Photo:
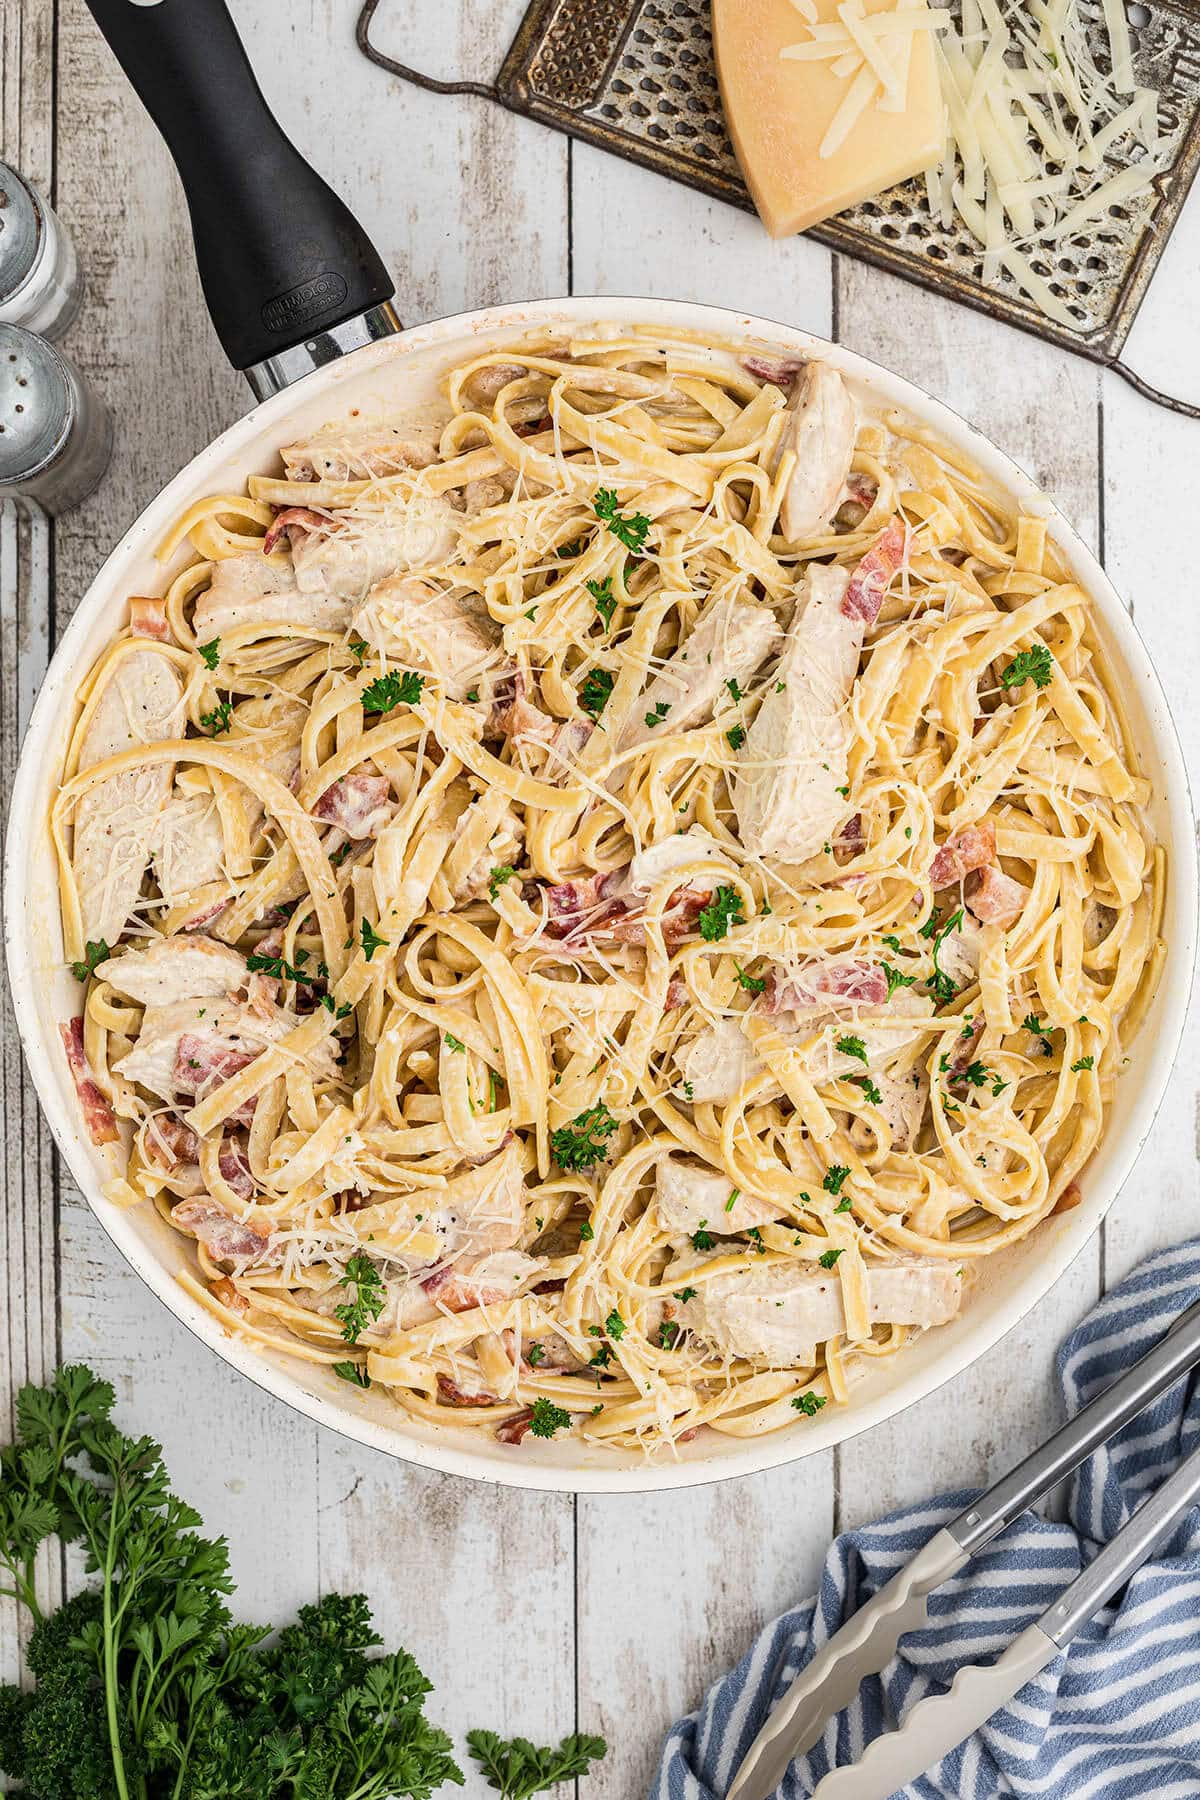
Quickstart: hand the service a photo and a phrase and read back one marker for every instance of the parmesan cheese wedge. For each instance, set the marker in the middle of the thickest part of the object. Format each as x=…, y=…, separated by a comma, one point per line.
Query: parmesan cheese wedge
x=811, y=138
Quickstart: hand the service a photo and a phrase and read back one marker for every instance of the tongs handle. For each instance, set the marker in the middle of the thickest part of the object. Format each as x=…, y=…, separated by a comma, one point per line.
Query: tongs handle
x=1170, y=1359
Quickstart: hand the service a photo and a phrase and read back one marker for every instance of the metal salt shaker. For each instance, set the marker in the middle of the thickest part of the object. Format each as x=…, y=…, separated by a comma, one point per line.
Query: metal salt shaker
x=40, y=286
x=55, y=431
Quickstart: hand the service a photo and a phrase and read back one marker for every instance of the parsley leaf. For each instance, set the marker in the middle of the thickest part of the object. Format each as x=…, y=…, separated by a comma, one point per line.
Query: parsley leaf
x=1031, y=1022
x=498, y=877
x=808, y=1404
x=606, y=601
x=724, y=909
x=453, y=1043
x=535, y=1354
x=631, y=531
x=668, y=1331
x=753, y=984
x=736, y=736
x=661, y=709
x=895, y=979
x=548, y=1419
x=586, y=1232
x=977, y=1074
x=517, y=1769
x=685, y=1294
x=358, y=648
x=615, y=1326
x=396, y=688
x=1036, y=665
x=370, y=939
x=852, y=1046
x=210, y=653
x=93, y=956
x=702, y=1239
x=835, y=1175
x=827, y=1258
x=1085, y=1062
x=595, y=692
x=353, y=1372
x=940, y=984
x=279, y=969
x=869, y=1089
x=581, y=1144
x=735, y=691
x=369, y=1297
x=219, y=720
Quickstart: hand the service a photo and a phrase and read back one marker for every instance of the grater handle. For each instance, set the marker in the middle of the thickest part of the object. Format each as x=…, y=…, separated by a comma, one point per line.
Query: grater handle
x=1187, y=408
x=486, y=90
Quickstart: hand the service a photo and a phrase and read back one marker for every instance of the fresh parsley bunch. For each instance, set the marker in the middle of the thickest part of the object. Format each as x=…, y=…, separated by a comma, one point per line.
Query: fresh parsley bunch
x=145, y=1688
x=517, y=1769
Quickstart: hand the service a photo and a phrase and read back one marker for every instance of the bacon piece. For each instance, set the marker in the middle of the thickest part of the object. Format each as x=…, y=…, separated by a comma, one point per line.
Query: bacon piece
x=98, y=1115
x=820, y=986
x=452, y=1294
x=513, y=1430
x=450, y=1394
x=235, y=1170
x=226, y=1239
x=964, y=1055
x=998, y=899
x=974, y=847
x=148, y=618
x=205, y=916
x=228, y=1296
x=849, y=840
x=780, y=372
x=170, y=1142
x=868, y=584
x=569, y=902
x=513, y=715
x=677, y=994
x=359, y=805
x=297, y=522
x=203, y=1061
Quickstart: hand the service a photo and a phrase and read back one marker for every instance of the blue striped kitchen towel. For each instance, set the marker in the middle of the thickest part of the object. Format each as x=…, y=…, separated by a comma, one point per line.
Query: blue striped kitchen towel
x=1118, y=1715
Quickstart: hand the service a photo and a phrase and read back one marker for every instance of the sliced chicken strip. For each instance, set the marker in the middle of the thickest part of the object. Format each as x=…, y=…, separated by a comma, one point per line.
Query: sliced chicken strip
x=655, y=861
x=413, y=622
x=222, y=1037
x=368, y=544
x=691, y=1196
x=256, y=590
x=483, y=1208
x=780, y=1316
x=190, y=847
x=902, y=1102
x=356, y=453
x=731, y=640
x=176, y=968
x=116, y=822
x=820, y=429
x=793, y=763
x=718, y=1063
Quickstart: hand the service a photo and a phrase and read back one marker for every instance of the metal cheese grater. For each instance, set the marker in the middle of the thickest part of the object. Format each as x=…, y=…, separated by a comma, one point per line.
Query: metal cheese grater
x=39, y=275
x=55, y=431
x=637, y=77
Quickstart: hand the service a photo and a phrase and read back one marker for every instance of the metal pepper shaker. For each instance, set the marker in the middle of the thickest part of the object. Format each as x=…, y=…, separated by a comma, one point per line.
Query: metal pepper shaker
x=55, y=431
x=40, y=286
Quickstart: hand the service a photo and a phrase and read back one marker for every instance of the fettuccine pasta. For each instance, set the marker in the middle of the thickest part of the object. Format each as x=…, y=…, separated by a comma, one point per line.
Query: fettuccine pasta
x=598, y=915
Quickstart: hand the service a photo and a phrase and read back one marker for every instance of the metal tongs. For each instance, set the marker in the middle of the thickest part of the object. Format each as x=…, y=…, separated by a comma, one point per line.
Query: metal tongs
x=866, y=1643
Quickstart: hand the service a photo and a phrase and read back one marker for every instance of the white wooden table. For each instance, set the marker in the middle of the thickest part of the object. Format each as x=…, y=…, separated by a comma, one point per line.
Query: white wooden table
x=530, y=1614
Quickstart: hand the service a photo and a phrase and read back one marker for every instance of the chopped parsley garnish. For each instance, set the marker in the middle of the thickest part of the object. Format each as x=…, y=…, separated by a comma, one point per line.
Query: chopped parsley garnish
x=998, y=1087
x=827, y=1258
x=685, y=1294
x=940, y=984
x=844, y=1205
x=631, y=531
x=358, y=648
x=370, y=939
x=689, y=1092
x=595, y=692
x=453, y=1043
x=852, y=1046
x=219, y=720
x=834, y=1177
x=1031, y=1022
x=586, y=1232
x=756, y=1238
x=281, y=970
x=977, y=1073
x=606, y=600
x=210, y=653
x=735, y=691
x=844, y=792
x=808, y=1404
x=661, y=709
x=472, y=696
x=893, y=942
x=736, y=736
x=753, y=984
x=702, y=1239
x=535, y=1354
x=93, y=956
x=895, y=979
x=615, y=1326
x=1085, y=1062
x=397, y=688
x=581, y=1144
x=723, y=910
x=339, y=1012
x=548, y=1418
x=1036, y=665
x=732, y=1200
x=571, y=549
x=353, y=1372
x=869, y=1089
x=498, y=878
x=601, y=1359
x=668, y=1331
x=369, y=1296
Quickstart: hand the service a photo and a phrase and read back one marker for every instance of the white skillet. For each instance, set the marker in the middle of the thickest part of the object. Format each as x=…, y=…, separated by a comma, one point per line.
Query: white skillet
x=393, y=371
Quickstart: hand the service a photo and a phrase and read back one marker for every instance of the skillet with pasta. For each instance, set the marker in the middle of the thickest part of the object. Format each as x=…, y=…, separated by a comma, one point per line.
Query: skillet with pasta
x=597, y=914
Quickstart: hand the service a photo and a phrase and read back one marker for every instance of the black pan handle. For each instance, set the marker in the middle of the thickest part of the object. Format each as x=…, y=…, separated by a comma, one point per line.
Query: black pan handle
x=281, y=258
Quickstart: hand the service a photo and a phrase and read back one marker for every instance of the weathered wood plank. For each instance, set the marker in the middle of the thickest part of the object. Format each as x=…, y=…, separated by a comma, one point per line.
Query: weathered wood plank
x=27, y=89
x=672, y=1588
